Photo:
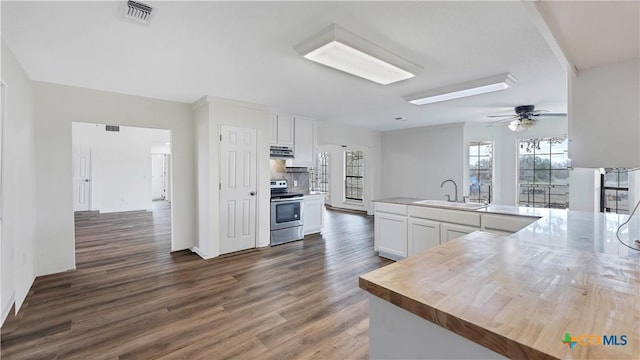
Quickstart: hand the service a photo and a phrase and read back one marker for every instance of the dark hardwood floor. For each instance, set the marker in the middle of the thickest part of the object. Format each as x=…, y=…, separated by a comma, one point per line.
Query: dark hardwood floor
x=130, y=298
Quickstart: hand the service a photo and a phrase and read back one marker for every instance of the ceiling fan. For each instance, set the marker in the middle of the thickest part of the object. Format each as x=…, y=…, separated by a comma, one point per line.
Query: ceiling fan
x=525, y=117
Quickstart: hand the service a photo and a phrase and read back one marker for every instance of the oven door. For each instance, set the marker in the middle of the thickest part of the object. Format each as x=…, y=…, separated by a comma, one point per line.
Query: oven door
x=286, y=213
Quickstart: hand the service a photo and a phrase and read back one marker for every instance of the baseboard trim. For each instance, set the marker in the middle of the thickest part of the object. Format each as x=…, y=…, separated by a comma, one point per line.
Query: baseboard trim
x=201, y=253
x=347, y=210
x=7, y=308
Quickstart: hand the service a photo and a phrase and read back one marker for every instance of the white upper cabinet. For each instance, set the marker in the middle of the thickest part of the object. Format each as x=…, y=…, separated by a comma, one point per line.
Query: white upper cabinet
x=304, y=142
x=282, y=130
x=298, y=132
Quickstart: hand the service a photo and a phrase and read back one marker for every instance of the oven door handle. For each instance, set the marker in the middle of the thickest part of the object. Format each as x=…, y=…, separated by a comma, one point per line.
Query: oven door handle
x=287, y=199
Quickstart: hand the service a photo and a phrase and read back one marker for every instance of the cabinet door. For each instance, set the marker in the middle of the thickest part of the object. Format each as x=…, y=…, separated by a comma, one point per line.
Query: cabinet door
x=391, y=235
x=304, y=142
x=423, y=234
x=313, y=214
x=449, y=232
x=285, y=130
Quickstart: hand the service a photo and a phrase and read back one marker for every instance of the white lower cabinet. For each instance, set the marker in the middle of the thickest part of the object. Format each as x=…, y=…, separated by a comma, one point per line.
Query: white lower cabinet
x=313, y=211
x=423, y=234
x=449, y=232
x=390, y=230
x=405, y=230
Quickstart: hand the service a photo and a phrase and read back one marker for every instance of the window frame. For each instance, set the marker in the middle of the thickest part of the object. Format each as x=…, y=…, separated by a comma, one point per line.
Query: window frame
x=470, y=170
x=322, y=172
x=617, y=189
x=348, y=187
x=535, y=186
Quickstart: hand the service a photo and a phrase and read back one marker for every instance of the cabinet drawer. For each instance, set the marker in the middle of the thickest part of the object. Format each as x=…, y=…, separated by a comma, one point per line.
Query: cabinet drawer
x=397, y=209
x=506, y=222
x=451, y=216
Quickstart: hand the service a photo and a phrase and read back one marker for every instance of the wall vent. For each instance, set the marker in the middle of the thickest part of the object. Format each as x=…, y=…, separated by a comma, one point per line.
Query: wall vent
x=112, y=128
x=137, y=11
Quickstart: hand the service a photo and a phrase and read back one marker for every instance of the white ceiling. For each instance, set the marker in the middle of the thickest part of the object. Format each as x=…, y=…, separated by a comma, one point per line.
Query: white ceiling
x=594, y=33
x=244, y=51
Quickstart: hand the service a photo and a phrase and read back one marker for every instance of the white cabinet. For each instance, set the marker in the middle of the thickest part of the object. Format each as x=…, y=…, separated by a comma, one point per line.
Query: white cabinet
x=313, y=210
x=405, y=230
x=449, y=231
x=390, y=230
x=282, y=127
x=422, y=235
x=304, y=142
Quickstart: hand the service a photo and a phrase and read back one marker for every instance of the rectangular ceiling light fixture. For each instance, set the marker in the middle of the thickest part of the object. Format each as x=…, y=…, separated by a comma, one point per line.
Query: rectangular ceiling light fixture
x=340, y=49
x=470, y=88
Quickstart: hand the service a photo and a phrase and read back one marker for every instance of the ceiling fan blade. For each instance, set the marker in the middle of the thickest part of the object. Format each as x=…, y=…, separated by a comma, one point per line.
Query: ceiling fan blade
x=504, y=120
x=510, y=115
x=549, y=114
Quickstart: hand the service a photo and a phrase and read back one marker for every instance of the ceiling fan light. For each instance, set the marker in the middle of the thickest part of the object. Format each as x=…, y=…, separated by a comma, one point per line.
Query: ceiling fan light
x=469, y=88
x=520, y=125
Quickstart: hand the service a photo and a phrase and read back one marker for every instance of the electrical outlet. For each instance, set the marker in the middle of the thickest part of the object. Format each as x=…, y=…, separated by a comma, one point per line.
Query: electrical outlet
x=295, y=183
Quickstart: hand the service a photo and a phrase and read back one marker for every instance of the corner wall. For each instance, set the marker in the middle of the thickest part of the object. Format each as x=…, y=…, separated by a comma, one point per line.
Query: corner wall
x=330, y=138
x=57, y=106
x=209, y=114
x=416, y=161
x=604, y=116
x=18, y=185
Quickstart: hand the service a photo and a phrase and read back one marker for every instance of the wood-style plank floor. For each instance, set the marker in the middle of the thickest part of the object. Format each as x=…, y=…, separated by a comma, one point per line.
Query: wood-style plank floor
x=130, y=298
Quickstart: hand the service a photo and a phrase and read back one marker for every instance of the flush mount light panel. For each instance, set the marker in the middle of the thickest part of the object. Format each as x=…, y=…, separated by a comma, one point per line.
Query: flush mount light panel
x=470, y=88
x=340, y=49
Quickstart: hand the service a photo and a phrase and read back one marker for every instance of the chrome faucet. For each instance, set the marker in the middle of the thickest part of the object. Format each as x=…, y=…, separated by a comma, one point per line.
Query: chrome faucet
x=455, y=195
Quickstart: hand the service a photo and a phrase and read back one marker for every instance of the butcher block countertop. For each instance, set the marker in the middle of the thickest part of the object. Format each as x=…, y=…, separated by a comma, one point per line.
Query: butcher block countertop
x=520, y=295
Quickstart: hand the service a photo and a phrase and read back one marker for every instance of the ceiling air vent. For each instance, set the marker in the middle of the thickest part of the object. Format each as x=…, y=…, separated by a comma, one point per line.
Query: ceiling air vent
x=112, y=128
x=137, y=11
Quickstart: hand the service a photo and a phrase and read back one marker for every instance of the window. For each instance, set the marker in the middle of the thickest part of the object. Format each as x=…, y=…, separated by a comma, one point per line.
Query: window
x=480, y=171
x=544, y=173
x=615, y=191
x=354, y=174
x=323, y=172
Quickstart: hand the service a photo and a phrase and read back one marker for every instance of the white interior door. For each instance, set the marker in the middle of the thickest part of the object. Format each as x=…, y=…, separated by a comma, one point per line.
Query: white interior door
x=81, y=179
x=238, y=178
x=157, y=177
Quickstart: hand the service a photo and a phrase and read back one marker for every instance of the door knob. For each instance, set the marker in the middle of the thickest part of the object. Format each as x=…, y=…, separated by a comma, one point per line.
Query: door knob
x=86, y=180
x=253, y=193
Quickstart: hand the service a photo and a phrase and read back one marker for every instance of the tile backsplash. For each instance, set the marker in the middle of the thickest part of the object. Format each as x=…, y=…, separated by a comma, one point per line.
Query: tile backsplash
x=297, y=177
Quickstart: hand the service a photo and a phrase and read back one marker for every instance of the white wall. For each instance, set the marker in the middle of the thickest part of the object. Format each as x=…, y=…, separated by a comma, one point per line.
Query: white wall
x=506, y=152
x=584, y=189
x=331, y=137
x=18, y=185
x=416, y=161
x=209, y=114
x=604, y=116
x=57, y=107
x=121, y=165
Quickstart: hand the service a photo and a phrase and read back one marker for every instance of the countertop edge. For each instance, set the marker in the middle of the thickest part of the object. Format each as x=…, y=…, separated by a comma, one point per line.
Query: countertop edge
x=479, y=335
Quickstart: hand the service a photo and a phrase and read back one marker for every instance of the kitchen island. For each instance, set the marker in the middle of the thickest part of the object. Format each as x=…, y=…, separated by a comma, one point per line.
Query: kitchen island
x=490, y=296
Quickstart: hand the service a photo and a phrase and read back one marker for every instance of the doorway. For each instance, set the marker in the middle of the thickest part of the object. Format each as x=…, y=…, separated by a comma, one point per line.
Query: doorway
x=118, y=173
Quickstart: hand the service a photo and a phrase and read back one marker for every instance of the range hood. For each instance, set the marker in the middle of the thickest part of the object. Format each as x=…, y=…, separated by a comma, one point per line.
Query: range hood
x=281, y=152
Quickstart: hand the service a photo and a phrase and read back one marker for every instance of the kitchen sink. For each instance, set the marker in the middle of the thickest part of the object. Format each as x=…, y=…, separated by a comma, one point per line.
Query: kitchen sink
x=451, y=205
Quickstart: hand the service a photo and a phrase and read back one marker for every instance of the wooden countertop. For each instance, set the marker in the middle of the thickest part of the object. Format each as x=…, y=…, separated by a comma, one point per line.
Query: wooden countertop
x=519, y=298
